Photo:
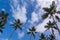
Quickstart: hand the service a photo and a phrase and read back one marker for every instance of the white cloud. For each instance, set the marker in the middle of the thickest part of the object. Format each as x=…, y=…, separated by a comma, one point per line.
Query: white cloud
x=45, y=0
x=44, y=3
x=19, y=13
x=32, y=0
x=40, y=27
x=37, y=16
x=34, y=18
x=15, y=3
x=21, y=35
x=7, y=39
x=58, y=8
x=3, y=9
x=3, y=39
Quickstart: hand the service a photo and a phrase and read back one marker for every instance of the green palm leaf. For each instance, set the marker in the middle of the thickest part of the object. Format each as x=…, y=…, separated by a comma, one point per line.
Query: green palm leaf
x=58, y=12
x=28, y=32
x=46, y=9
x=52, y=37
x=32, y=31
x=57, y=18
x=42, y=37
x=17, y=24
x=50, y=25
x=1, y=30
x=45, y=15
x=3, y=20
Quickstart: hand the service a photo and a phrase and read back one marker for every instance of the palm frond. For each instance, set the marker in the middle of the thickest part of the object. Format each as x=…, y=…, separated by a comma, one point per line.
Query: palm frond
x=33, y=28
x=42, y=37
x=46, y=9
x=3, y=20
x=57, y=18
x=32, y=31
x=58, y=12
x=49, y=25
x=45, y=15
x=1, y=30
x=52, y=37
x=17, y=24
x=20, y=27
x=33, y=34
x=28, y=32
x=15, y=28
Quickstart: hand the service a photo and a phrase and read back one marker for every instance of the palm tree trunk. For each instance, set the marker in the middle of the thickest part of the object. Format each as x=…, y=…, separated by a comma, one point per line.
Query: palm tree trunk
x=56, y=24
x=52, y=31
x=11, y=34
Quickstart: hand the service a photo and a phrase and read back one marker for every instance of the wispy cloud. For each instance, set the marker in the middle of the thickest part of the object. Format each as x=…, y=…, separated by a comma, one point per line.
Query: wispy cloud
x=40, y=27
x=44, y=3
x=34, y=18
x=18, y=12
x=21, y=35
x=38, y=12
x=3, y=39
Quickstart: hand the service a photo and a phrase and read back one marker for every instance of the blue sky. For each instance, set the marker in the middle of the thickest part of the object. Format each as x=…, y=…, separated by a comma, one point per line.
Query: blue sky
x=29, y=12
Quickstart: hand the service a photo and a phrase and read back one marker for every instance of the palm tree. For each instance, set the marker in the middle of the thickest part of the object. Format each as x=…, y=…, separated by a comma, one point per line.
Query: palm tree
x=52, y=37
x=3, y=19
x=51, y=25
x=32, y=31
x=42, y=37
x=16, y=24
x=52, y=11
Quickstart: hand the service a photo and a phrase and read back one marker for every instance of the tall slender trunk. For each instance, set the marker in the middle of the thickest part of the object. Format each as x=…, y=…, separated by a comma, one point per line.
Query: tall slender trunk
x=52, y=28
x=52, y=31
x=56, y=24
x=56, y=27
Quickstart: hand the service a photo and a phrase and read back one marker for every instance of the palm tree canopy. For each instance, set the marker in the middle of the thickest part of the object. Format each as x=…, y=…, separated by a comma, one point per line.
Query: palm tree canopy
x=50, y=11
x=17, y=24
x=3, y=19
x=42, y=37
x=51, y=37
x=3, y=14
x=32, y=31
x=49, y=25
x=57, y=18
